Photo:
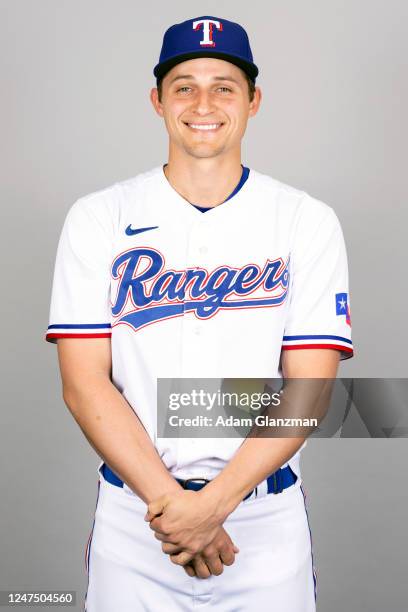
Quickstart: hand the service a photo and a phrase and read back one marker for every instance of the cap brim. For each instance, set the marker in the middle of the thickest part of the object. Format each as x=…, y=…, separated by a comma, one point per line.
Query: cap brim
x=250, y=69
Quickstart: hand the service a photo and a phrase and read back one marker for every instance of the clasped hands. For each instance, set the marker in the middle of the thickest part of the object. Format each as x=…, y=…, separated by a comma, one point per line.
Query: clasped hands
x=189, y=526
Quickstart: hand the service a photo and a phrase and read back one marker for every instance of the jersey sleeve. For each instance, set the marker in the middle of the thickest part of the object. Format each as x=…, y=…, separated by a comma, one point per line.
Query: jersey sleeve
x=80, y=297
x=319, y=304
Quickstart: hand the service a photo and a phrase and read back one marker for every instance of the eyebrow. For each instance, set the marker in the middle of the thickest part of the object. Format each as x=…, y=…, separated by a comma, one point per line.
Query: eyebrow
x=190, y=76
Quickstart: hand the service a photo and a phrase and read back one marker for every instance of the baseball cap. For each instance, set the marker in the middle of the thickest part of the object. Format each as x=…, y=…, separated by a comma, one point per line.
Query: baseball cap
x=206, y=37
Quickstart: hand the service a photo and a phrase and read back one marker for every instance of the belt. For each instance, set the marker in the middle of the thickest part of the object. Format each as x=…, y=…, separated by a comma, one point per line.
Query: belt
x=276, y=482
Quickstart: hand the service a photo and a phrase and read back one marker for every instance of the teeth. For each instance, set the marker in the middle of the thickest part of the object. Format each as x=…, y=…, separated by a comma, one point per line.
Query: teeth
x=209, y=126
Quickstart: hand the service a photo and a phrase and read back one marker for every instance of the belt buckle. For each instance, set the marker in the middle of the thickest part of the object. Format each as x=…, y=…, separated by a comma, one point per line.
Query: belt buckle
x=198, y=480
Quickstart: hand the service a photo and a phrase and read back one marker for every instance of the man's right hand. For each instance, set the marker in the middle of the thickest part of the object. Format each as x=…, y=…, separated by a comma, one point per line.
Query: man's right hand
x=211, y=560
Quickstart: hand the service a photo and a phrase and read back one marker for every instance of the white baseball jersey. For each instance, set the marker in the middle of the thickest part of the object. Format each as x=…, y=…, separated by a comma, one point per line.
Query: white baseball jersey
x=189, y=294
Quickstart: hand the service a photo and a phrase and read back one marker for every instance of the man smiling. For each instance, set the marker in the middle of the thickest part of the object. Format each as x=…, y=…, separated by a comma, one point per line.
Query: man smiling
x=219, y=118
x=199, y=268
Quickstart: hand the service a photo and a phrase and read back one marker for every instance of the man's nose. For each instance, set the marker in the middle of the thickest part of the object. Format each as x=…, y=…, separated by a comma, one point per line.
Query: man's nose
x=203, y=103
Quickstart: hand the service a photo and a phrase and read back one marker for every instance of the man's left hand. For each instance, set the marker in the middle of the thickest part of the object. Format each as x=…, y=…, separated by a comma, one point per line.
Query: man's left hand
x=186, y=519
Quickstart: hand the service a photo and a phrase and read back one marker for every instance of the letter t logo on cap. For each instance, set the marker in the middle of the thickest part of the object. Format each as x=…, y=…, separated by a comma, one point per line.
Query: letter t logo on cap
x=207, y=30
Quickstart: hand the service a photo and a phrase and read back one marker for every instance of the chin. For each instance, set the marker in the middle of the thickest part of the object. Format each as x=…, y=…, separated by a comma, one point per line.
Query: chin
x=204, y=152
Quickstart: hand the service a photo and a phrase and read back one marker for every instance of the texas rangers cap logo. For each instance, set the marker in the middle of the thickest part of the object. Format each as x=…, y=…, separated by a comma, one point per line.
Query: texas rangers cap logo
x=207, y=27
x=206, y=36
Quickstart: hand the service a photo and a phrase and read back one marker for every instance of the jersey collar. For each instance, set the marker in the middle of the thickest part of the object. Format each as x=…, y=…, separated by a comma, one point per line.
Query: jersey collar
x=232, y=199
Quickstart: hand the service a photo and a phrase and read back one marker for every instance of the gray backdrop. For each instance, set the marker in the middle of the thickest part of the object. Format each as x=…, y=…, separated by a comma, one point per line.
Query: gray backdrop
x=75, y=117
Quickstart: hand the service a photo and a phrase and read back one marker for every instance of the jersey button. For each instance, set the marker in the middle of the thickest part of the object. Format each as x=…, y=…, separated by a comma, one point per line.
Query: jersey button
x=197, y=330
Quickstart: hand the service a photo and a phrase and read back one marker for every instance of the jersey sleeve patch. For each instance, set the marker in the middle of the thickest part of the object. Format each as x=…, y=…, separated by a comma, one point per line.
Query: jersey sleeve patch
x=342, y=307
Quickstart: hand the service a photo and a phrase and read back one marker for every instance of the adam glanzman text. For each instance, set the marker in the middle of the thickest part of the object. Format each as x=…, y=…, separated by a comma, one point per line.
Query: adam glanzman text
x=229, y=421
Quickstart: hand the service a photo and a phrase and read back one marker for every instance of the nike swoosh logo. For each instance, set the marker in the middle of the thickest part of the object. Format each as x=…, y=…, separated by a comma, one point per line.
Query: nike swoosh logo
x=131, y=232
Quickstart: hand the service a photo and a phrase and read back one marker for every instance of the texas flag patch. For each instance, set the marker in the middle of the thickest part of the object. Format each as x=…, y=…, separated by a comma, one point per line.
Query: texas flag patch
x=342, y=307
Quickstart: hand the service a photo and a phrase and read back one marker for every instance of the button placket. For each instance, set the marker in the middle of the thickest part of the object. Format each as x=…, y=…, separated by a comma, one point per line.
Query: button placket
x=193, y=330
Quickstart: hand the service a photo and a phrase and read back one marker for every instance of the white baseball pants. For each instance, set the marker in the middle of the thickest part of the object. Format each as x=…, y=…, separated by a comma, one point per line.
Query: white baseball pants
x=273, y=572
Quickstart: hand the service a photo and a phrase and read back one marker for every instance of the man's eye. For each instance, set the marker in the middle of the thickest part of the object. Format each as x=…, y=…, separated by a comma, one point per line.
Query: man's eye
x=184, y=88
x=224, y=89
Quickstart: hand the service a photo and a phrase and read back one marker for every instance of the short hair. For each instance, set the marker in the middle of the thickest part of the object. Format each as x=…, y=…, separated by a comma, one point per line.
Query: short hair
x=251, y=86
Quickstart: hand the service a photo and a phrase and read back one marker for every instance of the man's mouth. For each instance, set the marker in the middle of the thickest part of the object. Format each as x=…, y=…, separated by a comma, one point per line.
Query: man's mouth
x=204, y=127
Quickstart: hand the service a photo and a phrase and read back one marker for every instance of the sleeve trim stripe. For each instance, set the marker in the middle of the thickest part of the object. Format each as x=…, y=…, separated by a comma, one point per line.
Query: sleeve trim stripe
x=338, y=347
x=317, y=337
x=49, y=336
x=80, y=326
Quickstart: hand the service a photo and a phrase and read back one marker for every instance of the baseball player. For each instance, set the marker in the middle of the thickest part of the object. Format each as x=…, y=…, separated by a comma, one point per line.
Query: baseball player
x=198, y=268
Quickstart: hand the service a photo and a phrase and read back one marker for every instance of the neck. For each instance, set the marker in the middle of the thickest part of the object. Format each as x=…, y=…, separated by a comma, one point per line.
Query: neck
x=205, y=181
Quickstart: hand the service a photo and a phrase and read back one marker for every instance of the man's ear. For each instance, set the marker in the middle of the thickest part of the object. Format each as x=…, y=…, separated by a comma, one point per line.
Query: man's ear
x=154, y=98
x=256, y=102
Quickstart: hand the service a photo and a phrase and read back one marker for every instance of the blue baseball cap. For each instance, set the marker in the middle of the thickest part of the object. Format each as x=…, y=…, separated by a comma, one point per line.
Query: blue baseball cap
x=206, y=37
